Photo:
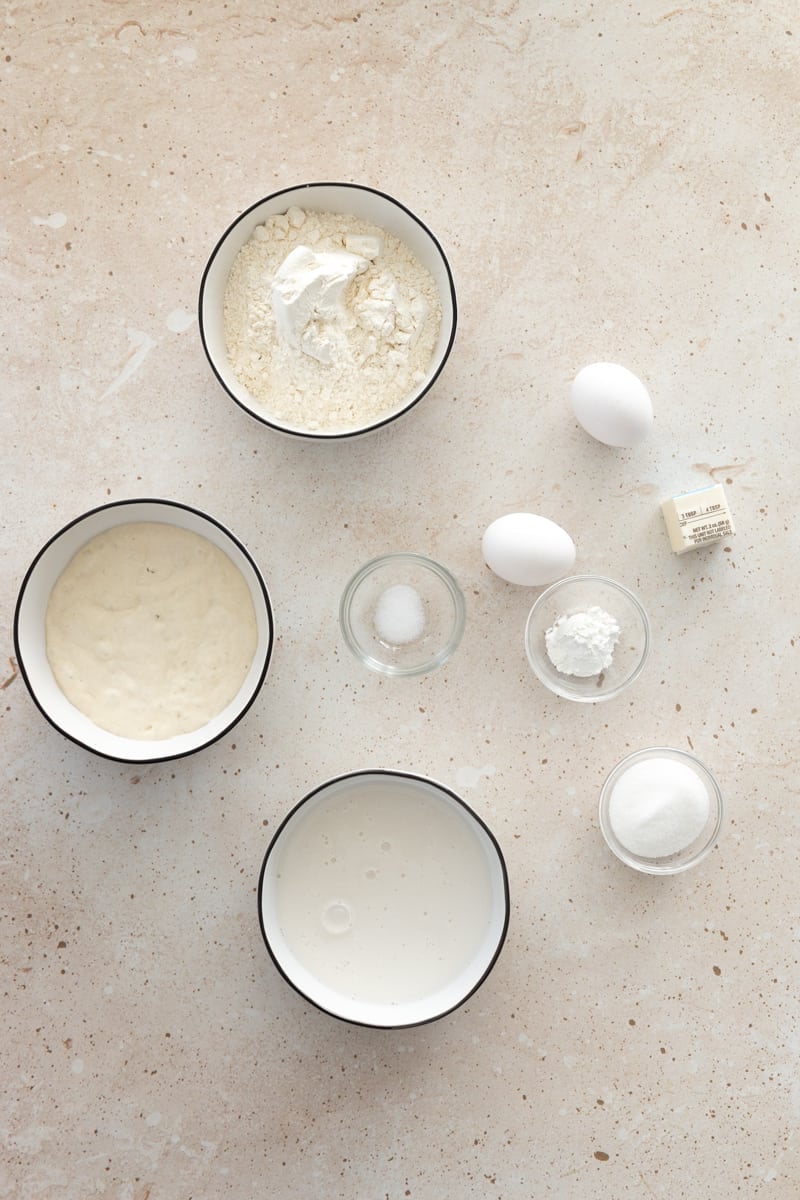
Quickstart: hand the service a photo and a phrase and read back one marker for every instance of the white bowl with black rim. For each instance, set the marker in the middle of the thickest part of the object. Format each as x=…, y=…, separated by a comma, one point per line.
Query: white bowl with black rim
x=383, y=899
x=347, y=200
x=30, y=624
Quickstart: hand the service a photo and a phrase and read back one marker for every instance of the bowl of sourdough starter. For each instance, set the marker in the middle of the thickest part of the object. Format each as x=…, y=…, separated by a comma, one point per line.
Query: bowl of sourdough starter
x=383, y=899
x=143, y=630
x=327, y=310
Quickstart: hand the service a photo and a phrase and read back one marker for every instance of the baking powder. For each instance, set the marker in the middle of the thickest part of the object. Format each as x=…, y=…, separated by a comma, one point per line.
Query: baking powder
x=582, y=643
x=330, y=321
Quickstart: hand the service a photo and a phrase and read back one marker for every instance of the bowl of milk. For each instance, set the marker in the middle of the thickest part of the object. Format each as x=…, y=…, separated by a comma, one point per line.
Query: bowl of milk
x=143, y=630
x=383, y=899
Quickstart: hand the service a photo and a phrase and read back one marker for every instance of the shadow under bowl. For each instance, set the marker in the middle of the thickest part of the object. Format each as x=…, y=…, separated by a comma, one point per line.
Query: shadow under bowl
x=701, y=840
x=427, y=598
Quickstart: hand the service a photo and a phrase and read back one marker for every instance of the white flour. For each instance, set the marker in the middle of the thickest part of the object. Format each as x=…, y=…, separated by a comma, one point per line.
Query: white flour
x=337, y=335
x=583, y=643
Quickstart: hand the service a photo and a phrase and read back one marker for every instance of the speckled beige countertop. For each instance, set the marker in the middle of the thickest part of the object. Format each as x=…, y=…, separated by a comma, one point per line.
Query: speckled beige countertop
x=610, y=181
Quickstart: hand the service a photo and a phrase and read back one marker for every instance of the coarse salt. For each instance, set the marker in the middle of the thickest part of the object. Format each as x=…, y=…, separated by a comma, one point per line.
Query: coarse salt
x=399, y=615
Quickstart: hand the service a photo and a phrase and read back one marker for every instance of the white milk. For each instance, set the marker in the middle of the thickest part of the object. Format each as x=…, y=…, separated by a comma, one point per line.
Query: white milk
x=383, y=890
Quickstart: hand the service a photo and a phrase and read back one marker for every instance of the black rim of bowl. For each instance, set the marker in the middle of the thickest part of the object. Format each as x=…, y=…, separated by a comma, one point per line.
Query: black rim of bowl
x=126, y=504
x=347, y=433
x=470, y=812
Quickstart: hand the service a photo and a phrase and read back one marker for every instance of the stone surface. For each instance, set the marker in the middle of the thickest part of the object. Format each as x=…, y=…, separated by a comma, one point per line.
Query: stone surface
x=611, y=182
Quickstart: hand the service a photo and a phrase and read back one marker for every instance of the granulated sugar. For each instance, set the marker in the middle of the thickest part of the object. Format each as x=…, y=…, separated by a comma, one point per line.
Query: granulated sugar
x=330, y=321
x=399, y=615
x=658, y=807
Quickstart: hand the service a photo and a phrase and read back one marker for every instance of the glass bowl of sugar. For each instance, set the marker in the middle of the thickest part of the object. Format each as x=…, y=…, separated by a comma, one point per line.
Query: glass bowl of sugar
x=661, y=810
x=587, y=638
x=143, y=630
x=402, y=614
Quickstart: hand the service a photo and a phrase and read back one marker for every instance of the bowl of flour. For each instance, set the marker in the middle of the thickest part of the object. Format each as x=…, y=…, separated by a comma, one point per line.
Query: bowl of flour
x=327, y=310
x=587, y=638
x=143, y=630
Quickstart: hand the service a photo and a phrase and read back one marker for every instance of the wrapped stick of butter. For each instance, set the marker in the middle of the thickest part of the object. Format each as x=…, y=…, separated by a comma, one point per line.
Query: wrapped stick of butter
x=697, y=518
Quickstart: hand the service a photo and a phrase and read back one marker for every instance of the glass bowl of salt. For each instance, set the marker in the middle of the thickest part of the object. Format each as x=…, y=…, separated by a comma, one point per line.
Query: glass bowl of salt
x=587, y=638
x=661, y=810
x=402, y=614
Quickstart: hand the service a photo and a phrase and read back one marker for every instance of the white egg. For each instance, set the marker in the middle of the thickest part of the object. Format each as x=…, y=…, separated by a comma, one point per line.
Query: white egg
x=612, y=404
x=526, y=549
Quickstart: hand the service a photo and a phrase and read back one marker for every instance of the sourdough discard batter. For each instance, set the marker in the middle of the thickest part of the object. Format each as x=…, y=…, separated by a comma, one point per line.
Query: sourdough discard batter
x=150, y=630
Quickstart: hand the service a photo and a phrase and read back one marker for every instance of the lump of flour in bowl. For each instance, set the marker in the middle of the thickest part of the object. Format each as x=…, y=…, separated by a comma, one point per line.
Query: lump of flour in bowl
x=330, y=321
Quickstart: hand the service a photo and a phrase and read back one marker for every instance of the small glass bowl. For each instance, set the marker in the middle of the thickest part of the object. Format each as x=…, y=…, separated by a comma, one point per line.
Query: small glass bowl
x=442, y=602
x=697, y=849
x=576, y=594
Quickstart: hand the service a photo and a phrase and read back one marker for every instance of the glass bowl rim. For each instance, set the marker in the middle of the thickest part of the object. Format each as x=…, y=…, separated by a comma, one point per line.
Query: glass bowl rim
x=435, y=568
x=654, y=866
x=537, y=607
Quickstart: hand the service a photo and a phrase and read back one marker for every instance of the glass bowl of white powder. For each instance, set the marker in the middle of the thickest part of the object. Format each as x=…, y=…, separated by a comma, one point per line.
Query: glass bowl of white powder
x=661, y=810
x=327, y=310
x=143, y=630
x=587, y=638
x=402, y=614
